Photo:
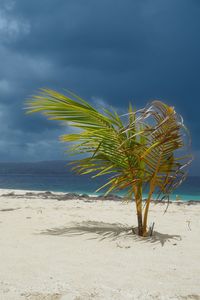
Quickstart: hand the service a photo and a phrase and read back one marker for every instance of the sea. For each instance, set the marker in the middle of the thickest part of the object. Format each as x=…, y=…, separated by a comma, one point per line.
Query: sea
x=57, y=176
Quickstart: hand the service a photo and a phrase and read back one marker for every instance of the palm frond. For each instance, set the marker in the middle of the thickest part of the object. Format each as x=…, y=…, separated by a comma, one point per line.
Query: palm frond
x=164, y=137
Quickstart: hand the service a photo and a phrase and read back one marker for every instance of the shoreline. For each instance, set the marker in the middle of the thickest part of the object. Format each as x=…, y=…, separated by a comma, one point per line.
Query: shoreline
x=63, y=196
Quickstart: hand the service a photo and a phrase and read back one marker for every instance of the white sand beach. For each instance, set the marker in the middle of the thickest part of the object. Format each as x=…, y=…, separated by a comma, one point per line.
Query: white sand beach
x=84, y=249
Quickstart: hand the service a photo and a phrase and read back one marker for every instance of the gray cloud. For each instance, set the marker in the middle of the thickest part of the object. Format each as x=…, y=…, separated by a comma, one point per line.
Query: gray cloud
x=110, y=50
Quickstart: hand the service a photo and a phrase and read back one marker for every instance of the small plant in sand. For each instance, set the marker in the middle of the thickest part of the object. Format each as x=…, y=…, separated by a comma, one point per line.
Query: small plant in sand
x=142, y=151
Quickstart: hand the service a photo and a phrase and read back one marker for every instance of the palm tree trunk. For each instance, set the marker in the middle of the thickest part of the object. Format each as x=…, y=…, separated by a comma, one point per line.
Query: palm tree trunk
x=145, y=218
x=147, y=208
x=140, y=226
x=138, y=201
x=151, y=191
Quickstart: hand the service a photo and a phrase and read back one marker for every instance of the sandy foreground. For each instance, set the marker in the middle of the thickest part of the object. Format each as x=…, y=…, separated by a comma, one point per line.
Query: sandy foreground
x=84, y=249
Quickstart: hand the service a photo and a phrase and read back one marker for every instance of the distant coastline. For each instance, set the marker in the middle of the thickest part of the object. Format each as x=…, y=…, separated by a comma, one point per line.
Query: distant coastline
x=56, y=176
x=61, y=196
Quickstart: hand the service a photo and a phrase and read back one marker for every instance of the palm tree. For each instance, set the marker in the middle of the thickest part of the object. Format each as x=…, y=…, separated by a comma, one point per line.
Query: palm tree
x=140, y=151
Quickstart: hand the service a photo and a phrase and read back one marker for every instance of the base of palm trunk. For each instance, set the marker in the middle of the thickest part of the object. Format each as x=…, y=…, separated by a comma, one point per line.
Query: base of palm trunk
x=143, y=233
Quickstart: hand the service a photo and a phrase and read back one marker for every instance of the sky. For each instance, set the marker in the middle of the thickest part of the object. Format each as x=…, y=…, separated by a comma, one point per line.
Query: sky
x=109, y=52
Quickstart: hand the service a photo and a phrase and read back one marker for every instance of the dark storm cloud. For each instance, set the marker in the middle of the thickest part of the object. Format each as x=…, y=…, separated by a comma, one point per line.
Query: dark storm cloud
x=111, y=50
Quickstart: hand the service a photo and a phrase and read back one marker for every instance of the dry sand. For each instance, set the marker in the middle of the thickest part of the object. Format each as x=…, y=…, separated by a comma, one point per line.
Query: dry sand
x=84, y=249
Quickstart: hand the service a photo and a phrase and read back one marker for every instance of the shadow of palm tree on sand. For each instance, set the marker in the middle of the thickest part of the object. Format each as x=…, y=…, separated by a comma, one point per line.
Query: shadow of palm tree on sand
x=112, y=231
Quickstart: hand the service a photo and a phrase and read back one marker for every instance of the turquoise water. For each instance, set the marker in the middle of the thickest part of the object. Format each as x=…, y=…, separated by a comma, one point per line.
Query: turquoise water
x=55, y=176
